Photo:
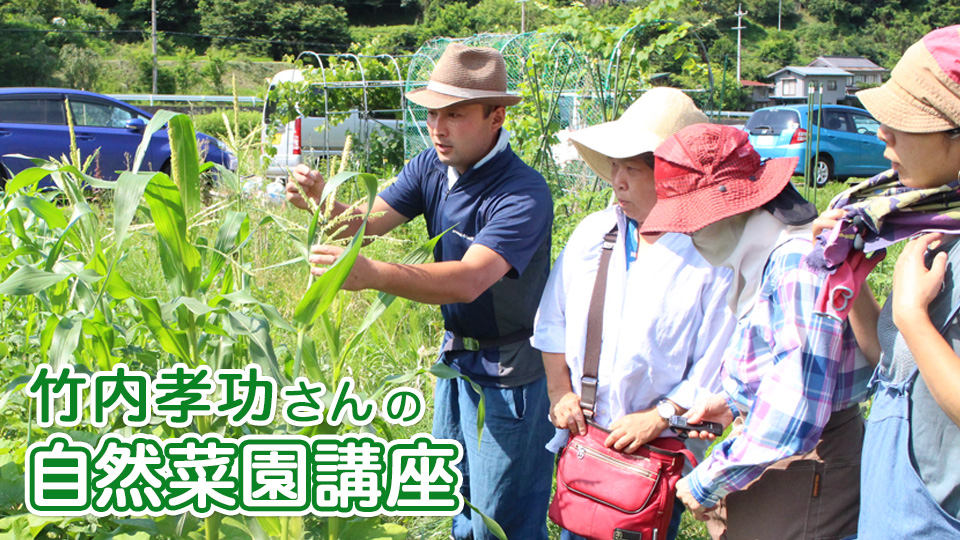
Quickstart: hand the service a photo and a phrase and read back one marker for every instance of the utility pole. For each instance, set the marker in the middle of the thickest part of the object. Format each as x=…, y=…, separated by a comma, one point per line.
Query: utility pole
x=153, y=35
x=779, y=14
x=739, y=28
x=523, y=15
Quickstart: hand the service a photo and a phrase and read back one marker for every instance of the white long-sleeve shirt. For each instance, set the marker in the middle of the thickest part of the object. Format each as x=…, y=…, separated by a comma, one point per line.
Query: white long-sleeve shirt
x=665, y=324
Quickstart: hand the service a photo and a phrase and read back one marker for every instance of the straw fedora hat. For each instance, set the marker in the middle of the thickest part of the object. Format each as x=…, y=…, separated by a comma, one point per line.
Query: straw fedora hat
x=656, y=115
x=709, y=172
x=466, y=74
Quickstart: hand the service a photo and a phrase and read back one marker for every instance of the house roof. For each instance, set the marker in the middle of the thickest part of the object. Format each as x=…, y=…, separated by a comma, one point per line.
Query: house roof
x=806, y=71
x=849, y=63
x=744, y=82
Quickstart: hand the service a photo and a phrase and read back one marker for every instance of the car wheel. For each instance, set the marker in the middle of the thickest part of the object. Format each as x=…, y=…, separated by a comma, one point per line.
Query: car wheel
x=822, y=171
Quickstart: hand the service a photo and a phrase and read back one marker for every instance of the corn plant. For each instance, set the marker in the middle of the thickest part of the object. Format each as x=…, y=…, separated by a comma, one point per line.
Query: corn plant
x=60, y=283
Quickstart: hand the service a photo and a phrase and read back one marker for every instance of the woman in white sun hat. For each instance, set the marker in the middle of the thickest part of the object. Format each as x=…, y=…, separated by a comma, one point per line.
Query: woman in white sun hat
x=665, y=320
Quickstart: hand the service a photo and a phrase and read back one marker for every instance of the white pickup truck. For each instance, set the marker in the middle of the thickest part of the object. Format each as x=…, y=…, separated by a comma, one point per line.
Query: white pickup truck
x=311, y=137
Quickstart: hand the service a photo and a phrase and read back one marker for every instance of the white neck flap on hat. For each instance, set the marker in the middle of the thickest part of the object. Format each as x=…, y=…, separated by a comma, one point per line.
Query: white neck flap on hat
x=743, y=243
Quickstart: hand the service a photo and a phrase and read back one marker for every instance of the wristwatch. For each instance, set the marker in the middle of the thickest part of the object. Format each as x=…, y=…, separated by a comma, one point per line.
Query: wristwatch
x=666, y=409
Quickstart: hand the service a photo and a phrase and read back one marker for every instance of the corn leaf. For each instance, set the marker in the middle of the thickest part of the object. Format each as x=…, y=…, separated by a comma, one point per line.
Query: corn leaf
x=185, y=162
x=29, y=280
x=27, y=177
x=195, y=306
x=257, y=330
x=321, y=294
x=44, y=210
x=24, y=250
x=130, y=188
x=443, y=371
x=79, y=212
x=383, y=300
x=311, y=361
x=243, y=297
x=234, y=231
x=270, y=525
x=66, y=336
x=492, y=525
x=179, y=256
x=159, y=120
x=118, y=288
x=99, y=342
x=90, y=180
x=172, y=341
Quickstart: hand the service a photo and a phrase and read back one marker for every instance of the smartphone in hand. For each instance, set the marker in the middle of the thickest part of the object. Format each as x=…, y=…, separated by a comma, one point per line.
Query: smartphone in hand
x=679, y=424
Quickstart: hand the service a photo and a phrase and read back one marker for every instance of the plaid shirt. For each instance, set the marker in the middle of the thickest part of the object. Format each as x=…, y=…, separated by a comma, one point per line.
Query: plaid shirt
x=790, y=369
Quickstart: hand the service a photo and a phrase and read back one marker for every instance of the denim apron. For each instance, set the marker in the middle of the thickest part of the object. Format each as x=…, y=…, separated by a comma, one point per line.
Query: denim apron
x=894, y=502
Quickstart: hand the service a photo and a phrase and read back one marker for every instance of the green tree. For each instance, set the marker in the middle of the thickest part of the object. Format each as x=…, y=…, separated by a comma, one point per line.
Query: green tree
x=303, y=26
x=184, y=73
x=228, y=19
x=25, y=57
x=140, y=58
x=217, y=65
x=779, y=49
x=451, y=20
x=767, y=11
x=79, y=67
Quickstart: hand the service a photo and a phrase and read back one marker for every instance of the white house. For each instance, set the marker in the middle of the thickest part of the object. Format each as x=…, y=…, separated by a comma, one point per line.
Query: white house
x=864, y=71
x=791, y=83
x=759, y=93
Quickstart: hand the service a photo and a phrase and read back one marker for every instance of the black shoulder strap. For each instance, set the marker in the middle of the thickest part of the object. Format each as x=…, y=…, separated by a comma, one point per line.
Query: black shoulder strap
x=591, y=354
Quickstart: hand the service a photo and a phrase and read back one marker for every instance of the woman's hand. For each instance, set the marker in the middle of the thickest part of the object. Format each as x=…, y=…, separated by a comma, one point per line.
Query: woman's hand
x=693, y=505
x=827, y=221
x=712, y=409
x=565, y=413
x=634, y=430
x=914, y=286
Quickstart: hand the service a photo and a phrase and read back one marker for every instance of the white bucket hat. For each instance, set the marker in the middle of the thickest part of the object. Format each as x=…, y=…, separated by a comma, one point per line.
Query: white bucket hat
x=654, y=117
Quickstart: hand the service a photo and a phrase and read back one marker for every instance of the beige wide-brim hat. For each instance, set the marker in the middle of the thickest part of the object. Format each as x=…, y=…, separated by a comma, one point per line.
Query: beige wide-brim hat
x=658, y=114
x=923, y=93
x=466, y=74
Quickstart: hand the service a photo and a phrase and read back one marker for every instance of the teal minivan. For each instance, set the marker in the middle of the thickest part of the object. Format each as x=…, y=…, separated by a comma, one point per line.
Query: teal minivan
x=847, y=139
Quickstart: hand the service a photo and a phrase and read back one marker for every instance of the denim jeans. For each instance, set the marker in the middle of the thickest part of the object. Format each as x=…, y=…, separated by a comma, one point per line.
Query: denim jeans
x=678, y=509
x=509, y=474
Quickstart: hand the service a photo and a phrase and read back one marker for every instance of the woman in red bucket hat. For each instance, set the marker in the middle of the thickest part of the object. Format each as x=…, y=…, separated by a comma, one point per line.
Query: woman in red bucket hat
x=794, y=379
x=911, y=477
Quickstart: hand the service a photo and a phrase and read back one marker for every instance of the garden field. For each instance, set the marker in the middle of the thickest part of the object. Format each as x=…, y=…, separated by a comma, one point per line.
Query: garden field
x=150, y=271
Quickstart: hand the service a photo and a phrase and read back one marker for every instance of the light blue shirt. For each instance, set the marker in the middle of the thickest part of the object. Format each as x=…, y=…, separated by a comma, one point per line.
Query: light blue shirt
x=632, y=242
x=665, y=323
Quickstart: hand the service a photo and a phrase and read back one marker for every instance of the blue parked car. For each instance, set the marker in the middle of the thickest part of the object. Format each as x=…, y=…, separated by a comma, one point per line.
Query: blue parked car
x=33, y=122
x=848, y=139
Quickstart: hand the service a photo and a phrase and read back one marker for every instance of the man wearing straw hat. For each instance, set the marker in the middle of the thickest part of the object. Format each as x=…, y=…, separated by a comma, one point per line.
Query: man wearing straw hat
x=488, y=276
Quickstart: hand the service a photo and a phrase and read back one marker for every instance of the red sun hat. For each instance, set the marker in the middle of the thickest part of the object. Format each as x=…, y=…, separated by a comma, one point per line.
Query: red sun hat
x=708, y=172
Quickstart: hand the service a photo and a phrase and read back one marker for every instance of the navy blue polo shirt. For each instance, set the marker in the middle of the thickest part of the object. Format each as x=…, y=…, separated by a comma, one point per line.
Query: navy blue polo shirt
x=506, y=206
